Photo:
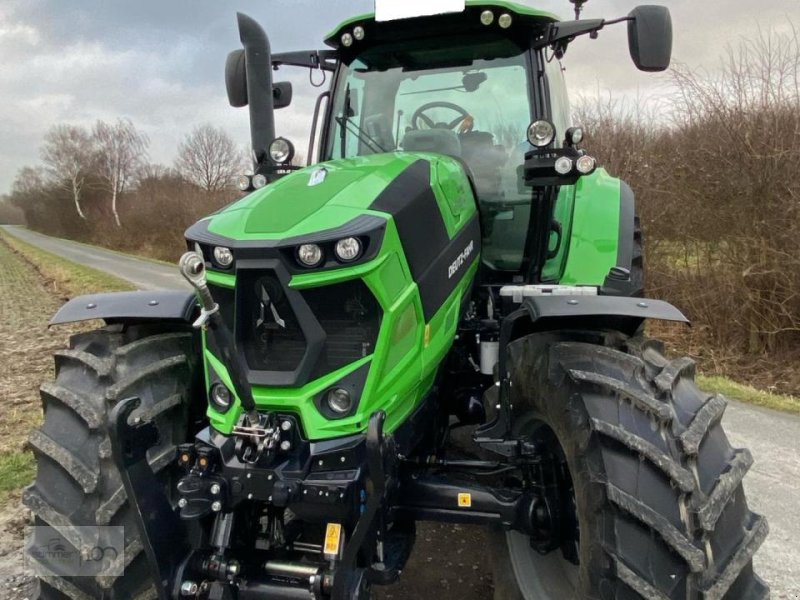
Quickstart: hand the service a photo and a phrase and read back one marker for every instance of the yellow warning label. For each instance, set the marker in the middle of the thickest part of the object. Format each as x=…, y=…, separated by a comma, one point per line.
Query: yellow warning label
x=427, y=335
x=333, y=535
x=464, y=500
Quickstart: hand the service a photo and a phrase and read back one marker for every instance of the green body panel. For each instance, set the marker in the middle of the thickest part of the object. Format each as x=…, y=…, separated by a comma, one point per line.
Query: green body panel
x=290, y=207
x=408, y=350
x=562, y=213
x=592, y=234
x=512, y=7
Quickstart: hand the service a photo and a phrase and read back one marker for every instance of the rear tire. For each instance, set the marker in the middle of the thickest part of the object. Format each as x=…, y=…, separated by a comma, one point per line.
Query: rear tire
x=77, y=483
x=658, y=494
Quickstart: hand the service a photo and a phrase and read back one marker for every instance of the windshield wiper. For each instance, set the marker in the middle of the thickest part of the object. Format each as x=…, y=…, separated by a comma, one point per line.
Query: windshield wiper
x=345, y=125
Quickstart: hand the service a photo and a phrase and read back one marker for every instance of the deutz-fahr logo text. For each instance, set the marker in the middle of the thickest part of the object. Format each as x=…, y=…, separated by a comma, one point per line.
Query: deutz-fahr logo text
x=461, y=259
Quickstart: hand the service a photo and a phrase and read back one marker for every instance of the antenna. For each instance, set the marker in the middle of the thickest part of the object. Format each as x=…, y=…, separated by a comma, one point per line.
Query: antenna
x=578, y=7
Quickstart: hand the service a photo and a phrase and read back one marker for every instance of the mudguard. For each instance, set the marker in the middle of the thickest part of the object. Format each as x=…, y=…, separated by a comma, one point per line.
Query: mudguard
x=548, y=307
x=116, y=307
x=622, y=313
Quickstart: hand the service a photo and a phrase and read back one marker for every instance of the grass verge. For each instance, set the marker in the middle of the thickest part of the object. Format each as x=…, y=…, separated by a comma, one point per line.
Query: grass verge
x=748, y=394
x=17, y=470
x=33, y=283
x=64, y=277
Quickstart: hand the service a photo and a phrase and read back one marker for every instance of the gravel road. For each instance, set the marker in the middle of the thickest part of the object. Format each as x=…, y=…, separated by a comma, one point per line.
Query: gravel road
x=143, y=273
x=448, y=561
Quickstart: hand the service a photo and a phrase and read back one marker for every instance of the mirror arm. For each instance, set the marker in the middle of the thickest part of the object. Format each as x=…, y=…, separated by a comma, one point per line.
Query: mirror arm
x=563, y=32
x=567, y=30
x=313, y=59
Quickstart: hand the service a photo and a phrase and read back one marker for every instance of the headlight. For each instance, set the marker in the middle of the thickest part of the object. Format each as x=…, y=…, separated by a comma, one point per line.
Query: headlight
x=504, y=21
x=347, y=40
x=348, y=249
x=487, y=17
x=358, y=32
x=259, y=181
x=563, y=165
x=243, y=182
x=281, y=151
x=309, y=255
x=586, y=164
x=339, y=401
x=541, y=133
x=221, y=397
x=574, y=136
x=223, y=256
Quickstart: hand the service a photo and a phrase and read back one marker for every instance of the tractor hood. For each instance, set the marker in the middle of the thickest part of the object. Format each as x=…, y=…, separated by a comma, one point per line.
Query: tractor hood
x=324, y=196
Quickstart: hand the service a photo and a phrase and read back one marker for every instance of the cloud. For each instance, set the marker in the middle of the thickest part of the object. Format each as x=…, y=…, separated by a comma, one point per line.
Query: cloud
x=160, y=63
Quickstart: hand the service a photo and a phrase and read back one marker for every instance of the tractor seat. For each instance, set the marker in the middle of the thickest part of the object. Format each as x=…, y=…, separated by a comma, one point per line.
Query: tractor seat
x=443, y=141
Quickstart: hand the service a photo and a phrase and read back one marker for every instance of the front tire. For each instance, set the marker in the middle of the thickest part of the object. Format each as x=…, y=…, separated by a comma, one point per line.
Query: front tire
x=78, y=487
x=657, y=487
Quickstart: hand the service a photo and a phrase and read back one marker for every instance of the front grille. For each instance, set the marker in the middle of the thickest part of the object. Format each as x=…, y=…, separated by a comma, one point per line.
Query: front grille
x=272, y=338
x=340, y=326
x=351, y=318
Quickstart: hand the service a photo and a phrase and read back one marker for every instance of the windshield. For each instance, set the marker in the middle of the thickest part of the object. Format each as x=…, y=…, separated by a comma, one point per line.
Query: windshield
x=478, y=111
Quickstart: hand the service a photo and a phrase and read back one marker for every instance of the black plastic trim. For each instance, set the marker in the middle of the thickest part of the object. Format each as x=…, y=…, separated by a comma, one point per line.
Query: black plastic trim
x=412, y=203
x=620, y=313
x=426, y=244
x=437, y=282
x=354, y=383
x=312, y=331
x=162, y=305
x=627, y=213
x=369, y=228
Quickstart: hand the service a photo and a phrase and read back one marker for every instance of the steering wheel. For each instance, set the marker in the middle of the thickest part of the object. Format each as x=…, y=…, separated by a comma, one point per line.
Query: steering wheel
x=419, y=115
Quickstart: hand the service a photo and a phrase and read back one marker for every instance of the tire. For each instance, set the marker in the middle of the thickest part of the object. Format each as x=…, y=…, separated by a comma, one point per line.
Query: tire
x=657, y=487
x=77, y=483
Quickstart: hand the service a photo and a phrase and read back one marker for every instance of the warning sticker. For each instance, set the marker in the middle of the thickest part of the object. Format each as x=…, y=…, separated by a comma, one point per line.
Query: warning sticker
x=464, y=500
x=333, y=536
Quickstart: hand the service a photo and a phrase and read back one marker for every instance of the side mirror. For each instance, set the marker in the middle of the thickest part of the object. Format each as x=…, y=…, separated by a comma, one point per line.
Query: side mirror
x=236, y=83
x=282, y=94
x=236, y=79
x=650, y=37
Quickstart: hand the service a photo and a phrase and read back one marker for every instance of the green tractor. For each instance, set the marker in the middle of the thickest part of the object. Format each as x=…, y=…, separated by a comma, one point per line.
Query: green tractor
x=451, y=260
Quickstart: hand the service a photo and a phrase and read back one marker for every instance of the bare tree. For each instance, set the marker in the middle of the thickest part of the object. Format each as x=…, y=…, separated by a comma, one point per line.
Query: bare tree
x=67, y=154
x=209, y=158
x=121, y=149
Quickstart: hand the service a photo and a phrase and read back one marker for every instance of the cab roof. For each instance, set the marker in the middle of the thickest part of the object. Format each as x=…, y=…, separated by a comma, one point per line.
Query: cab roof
x=525, y=21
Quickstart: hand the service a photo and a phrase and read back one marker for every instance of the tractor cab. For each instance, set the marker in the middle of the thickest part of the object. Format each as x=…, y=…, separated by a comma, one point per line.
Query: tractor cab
x=481, y=84
x=466, y=85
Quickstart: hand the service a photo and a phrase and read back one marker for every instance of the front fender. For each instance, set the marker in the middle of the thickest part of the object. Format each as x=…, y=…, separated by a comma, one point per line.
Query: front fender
x=118, y=307
x=619, y=313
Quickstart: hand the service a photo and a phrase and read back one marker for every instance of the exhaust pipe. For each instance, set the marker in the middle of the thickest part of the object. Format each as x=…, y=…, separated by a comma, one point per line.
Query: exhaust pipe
x=258, y=75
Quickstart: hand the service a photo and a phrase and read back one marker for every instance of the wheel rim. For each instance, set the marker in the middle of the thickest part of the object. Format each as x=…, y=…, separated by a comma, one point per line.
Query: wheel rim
x=542, y=577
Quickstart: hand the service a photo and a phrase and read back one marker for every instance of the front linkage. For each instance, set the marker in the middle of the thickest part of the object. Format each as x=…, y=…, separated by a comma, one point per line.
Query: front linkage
x=265, y=513
x=362, y=487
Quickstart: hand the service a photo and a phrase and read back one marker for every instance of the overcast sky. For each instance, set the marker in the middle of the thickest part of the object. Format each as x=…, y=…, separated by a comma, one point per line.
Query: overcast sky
x=160, y=62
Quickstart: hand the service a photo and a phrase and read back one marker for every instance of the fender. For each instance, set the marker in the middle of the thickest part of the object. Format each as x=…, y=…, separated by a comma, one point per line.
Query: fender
x=119, y=307
x=546, y=313
x=621, y=313
x=621, y=310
